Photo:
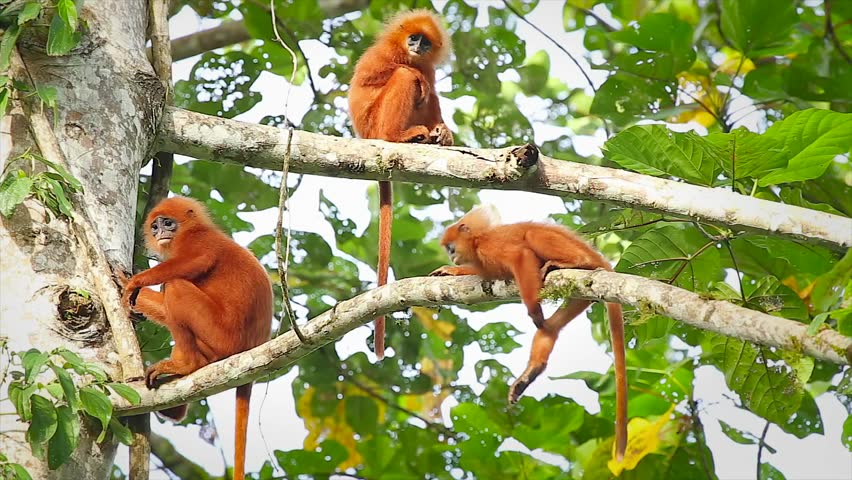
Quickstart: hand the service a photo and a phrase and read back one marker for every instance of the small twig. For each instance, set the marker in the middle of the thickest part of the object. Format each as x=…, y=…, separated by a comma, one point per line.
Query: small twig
x=830, y=34
x=689, y=261
x=760, y=446
x=564, y=50
x=284, y=260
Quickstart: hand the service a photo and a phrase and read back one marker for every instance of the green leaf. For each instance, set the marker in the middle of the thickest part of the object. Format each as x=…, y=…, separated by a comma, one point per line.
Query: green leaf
x=43, y=423
x=47, y=95
x=765, y=386
x=673, y=252
x=811, y=139
x=818, y=320
x=749, y=25
x=97, y=404
x=656, y=150
x=625, y=98
x=497, y=338
x=73, y=360
x=7, y=43
x=362, y=414
x=59, y=194
x=63, y=443
x=20, y=472
x=29, y=12
x=61, y=39
x=71, y=180
x=13, y=191
x=126, y=392
x=21, y=399
x=768, y=472
x=68, y=12
x=301, y=462
x=846, y=434
x=121, y=432
x=67, y=384
x=32, y=361
x=737, y=435
x=665, y=46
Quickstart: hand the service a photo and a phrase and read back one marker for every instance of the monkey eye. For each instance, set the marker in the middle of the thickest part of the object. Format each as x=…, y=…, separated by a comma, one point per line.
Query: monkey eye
x=450, y=248
x=154, y=226
x=168, y=223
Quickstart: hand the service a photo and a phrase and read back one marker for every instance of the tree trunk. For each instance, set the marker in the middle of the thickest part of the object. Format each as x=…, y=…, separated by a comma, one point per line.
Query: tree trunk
x=108, y=105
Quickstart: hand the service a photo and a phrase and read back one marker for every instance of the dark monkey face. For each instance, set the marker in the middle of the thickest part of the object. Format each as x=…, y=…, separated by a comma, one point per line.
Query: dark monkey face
x=164, y=230
x=418, y=44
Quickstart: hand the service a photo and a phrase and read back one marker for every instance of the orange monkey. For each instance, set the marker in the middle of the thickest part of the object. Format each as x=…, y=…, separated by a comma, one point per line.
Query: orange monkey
x=216, y=299
x=392, y=97
x=525, y=252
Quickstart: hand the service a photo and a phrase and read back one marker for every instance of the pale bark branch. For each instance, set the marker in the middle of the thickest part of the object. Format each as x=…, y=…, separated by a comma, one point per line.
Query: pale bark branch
x=513, y=168
x=713, y=315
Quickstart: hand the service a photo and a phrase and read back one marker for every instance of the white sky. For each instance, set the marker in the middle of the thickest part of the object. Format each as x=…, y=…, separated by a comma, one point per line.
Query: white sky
x=273, y=410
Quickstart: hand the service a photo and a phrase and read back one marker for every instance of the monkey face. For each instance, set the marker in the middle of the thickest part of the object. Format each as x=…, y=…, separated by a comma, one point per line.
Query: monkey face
x=418, y=45
x=164, y=229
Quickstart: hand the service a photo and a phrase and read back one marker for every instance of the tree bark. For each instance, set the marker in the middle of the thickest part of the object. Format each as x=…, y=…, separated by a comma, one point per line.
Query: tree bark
x=108, y=104
x=513, y=168
x=713, y=315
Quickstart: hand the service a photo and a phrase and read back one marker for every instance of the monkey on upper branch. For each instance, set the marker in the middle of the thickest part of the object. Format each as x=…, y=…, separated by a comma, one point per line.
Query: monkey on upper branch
x=392, y=97
x=216, y=300
x=525, y=252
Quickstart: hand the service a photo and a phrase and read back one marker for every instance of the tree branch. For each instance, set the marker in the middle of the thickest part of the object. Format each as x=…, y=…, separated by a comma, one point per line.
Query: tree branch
x=691, y=308
x=233, y=32
x=513, y=168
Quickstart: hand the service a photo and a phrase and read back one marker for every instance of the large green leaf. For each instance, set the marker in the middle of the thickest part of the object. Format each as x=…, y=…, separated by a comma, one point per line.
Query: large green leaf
x=626, y=98
x=63, y=443
x=97, y=404
x=301, y=462
x=665, y=47
x=43, y=422
x=752, y=25
x=810, y=141
x=767, y=388
x=676, y=254
x=656, y=150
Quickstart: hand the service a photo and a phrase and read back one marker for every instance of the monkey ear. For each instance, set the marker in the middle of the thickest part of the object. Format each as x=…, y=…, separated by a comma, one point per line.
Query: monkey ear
x=190, y=213
x=464, y=228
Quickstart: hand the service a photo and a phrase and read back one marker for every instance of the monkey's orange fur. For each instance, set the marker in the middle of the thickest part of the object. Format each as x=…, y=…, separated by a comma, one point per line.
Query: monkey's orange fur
x=216, y=299
x=525, y=252
x=392, y=97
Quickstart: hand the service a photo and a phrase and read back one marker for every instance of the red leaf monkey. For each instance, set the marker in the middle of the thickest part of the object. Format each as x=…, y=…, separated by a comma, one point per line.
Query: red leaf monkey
x=479, y=245
x=216, y=299
x=392, y=97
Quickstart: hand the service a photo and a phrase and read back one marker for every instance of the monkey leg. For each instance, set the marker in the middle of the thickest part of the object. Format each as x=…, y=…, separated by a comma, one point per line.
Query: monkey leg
x=527, y=272
x=562, y=249
x=542, y=345
x=214, y=332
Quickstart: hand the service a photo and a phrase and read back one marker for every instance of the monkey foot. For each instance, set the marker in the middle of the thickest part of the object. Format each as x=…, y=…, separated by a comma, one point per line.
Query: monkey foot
x=441, y=135
x=444, y=271
x=517, y=389
x=153, y=373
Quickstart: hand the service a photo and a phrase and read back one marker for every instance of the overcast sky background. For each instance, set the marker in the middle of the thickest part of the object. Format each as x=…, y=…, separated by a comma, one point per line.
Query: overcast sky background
x=273, y=416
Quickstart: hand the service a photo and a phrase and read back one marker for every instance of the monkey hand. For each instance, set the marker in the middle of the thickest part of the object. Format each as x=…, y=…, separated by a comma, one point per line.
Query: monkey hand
x=441, y=135
x=452, y=271
x=537, y=315
x=131, y=291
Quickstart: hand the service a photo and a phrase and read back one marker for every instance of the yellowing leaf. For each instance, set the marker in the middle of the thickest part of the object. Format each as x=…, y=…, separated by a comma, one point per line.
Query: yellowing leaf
x=427, y=318
x=333, y=427
x=732, y=61
x=643, y=437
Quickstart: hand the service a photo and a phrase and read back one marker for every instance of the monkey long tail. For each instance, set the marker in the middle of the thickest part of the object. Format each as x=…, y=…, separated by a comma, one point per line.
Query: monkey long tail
x=241, y=430
x=616, y=329
x=385, y=221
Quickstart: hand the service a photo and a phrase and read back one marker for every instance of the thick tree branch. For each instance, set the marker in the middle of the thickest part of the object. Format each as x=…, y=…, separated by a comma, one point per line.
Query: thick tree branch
x=233, y=32
x=513, y=168
x=688, y=307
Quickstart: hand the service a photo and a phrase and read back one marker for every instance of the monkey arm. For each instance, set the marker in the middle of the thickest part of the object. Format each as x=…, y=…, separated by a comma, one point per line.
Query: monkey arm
x=527, y=272
x=184, y=267
x=393, y=111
